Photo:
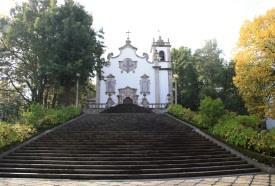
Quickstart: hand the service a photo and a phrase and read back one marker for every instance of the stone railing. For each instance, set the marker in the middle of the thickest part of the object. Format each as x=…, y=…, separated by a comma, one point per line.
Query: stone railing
x=158, y=105
x=96, y=105
x=93, y=107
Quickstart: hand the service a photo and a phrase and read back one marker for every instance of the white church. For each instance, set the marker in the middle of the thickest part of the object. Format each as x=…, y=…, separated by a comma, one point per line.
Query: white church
x=130, y=78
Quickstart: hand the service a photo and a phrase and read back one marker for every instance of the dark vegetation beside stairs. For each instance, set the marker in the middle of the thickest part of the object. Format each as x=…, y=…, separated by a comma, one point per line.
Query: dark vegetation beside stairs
x=240, y=131
x=32, y=122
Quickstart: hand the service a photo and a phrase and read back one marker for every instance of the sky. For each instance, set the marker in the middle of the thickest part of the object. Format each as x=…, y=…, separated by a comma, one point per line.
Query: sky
x=185, y=22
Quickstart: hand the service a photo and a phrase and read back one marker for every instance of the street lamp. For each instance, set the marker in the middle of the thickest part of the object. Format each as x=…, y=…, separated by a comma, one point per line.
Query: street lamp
x=77, y=84
x=176, y=76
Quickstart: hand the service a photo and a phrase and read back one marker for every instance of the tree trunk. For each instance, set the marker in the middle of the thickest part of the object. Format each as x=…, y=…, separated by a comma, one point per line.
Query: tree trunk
x=66, y=98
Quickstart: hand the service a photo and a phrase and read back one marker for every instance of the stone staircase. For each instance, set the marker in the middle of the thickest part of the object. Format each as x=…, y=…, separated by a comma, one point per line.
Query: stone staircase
x=122, y=146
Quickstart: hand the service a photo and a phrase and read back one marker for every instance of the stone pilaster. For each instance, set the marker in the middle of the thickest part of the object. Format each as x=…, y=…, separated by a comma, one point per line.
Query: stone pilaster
x=157, y=85
x=170, y=78
x=97, y=89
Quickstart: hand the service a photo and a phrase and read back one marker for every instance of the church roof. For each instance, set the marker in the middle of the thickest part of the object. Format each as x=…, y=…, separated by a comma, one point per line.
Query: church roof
x=128, y=44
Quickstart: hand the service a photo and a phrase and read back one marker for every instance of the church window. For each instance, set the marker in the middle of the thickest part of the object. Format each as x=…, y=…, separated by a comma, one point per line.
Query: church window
x=161, y=56
x=144, y=84
x=110, y=84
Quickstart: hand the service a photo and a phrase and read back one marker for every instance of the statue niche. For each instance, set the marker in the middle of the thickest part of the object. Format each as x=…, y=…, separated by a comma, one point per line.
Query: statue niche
x=110, y=84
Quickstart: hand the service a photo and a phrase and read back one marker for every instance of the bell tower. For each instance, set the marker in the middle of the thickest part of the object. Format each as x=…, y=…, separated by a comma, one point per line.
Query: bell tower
x=162, y=48
x=161, y=57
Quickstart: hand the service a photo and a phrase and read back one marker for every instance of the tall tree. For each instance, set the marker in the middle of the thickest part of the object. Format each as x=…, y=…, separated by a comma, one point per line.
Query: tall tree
x=229, y=93
x=255, y=64
x=205, y=73
x=44, y=47
x=188, y=85
x=209, y=65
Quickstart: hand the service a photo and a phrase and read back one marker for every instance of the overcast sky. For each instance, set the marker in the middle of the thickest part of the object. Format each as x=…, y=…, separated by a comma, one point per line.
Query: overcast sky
x=185, y=22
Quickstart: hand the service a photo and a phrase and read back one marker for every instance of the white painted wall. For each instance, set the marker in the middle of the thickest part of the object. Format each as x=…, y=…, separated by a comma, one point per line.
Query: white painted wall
x=270, y=123
x=132, y=79
x=164, y=89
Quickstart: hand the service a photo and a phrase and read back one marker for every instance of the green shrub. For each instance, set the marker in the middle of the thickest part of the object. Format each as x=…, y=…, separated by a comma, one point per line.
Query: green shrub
x=239, y=134
x=210, y=111
x=182, y=113
x=249, y=121
x=199, y=121
x=13, y=133
x=37, y=117
x=43, y=118
x=175, y=110
x=35, y=113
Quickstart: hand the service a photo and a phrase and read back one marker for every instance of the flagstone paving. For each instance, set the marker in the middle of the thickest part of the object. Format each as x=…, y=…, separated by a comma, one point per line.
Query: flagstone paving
x=239, y=180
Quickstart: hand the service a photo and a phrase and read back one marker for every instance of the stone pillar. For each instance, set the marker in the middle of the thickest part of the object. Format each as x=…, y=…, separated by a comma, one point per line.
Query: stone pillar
x=157, y=86
x=97, y=89
x=170, y=78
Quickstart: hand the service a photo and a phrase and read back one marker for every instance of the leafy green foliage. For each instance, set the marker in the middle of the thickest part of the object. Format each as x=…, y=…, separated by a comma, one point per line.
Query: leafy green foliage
x=188, y=84
x=238, y=131
x=36, y=119
x=252, y=121
x=13, y=133
x=209, y=65
x=43, y=45
x=180, y=112
x=43, y=118
x=205, y=73
x=210, y=111
x=10, y=102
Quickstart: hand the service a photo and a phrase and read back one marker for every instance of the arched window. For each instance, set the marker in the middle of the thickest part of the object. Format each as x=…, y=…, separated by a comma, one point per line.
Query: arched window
x=161, y=56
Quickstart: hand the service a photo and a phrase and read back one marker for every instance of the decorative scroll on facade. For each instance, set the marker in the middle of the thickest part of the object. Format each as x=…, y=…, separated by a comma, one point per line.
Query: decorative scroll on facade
x=127, y=65
x=110, y=84
x=144, y=84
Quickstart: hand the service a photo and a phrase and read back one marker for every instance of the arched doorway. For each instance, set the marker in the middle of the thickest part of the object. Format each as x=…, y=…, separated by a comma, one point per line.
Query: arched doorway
x=127, y=93
x=127, y=100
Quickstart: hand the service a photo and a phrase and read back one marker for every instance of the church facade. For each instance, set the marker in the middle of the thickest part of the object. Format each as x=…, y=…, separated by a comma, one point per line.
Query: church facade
x=130, y=78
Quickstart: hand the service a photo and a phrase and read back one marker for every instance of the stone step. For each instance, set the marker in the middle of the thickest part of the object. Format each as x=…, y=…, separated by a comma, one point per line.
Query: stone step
x=128, y=176
x=132, y=170
x=119, y=153
x=145, y=151
x=138, y=166
x=116, y=141
x=98, y=158
x=96, y=144
x=135, y=148
x=116, y=162
x=122, y=146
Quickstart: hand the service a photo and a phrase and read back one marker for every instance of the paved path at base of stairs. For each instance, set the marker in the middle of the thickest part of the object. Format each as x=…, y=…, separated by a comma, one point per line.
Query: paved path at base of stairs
x=242, y=180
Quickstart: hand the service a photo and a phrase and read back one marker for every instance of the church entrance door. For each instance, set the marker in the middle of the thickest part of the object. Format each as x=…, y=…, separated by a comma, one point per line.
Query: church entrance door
x=127, y=95
x=127, y=100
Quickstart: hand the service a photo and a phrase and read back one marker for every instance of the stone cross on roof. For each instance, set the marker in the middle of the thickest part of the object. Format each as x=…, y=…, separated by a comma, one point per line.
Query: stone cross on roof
x=128, y=35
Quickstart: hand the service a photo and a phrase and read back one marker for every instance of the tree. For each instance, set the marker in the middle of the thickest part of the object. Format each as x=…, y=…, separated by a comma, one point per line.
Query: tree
x=44, y=47
x=10, y=102
x=188, y=85
x=205, y=73
x=255, y=63
x=209, y=65
x=229, y=93
x=75, y=48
